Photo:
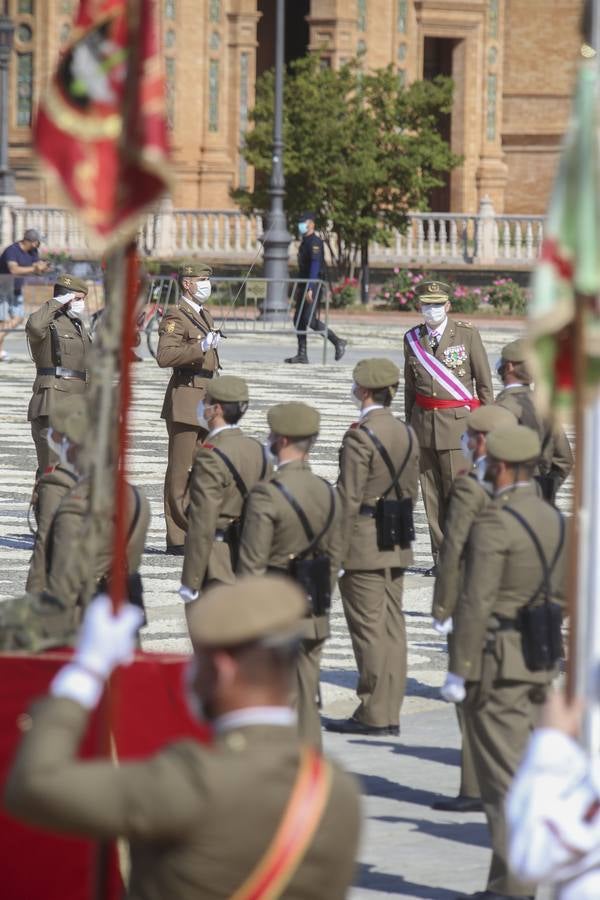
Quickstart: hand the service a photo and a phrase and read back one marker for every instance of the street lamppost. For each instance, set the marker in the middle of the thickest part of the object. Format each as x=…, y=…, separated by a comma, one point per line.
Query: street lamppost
x=7, y=30
x=277, y=238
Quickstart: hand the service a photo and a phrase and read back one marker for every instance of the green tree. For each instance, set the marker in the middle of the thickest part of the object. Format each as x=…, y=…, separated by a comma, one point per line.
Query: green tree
x=361, y=150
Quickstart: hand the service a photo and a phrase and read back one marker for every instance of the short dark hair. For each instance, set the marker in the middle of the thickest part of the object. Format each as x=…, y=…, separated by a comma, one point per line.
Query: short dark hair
x=60, y=291
x=232, y=411
x=385, y=395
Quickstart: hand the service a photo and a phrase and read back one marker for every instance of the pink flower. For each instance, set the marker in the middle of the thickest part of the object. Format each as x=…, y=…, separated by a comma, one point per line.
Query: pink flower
x=416, y=279
x=477, y=291
x=410, y=294
x=403, y=301
x=387, y=295
x=396, y=270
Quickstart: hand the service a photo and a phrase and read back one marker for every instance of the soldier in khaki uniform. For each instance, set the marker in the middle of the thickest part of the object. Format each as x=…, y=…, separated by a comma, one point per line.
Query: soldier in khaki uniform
x=187, y=343
x=61, y=563
x=443, y=358
x=202, y=821
x=379, y=458
x=226, y=468
x=504, y=573
x=293, y=516
x=59, y=344
x=469, y=496
x=556, y=459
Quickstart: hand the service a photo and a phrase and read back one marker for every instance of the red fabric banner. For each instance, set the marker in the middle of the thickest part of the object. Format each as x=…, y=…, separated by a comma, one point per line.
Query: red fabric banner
x=150, y=712
x=102, y=123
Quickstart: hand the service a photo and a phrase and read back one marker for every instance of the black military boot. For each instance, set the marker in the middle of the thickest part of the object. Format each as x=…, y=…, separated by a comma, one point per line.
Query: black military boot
x=301, y=356
x=339, y=344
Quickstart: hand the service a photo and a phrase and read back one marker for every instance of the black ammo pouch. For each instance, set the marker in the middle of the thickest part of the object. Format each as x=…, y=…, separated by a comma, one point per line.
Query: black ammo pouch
x=540, y=623
x=548, y=485
x=312, y=571
x=393, y=518
x=231, y=536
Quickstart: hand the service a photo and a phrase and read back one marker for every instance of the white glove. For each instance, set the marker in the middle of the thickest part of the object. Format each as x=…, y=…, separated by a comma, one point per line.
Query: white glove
x=211, y=341
x=444, y=627
x=105, y=642
x=187, y=594
x=453, y=689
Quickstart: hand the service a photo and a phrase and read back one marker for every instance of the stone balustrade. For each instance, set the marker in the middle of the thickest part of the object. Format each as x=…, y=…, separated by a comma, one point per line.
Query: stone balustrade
x=452, y=239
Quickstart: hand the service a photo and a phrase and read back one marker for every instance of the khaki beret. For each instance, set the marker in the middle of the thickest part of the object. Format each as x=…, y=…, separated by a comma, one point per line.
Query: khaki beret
x=516, y=351
x=514, y=444
x=195, y=270
x=294, y=420
x=433, y=292
x=490, y=417
x=252, y=609
x=228, y=389
x=72, y=283
x=376, y=373
x=69, y=415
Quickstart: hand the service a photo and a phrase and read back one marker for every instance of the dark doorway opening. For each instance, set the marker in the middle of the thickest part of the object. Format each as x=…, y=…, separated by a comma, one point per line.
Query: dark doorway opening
x=437, y=60
x=296, y=33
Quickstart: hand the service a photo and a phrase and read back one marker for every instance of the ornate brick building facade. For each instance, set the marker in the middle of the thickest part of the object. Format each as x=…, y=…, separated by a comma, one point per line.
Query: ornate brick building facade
x=512, y=62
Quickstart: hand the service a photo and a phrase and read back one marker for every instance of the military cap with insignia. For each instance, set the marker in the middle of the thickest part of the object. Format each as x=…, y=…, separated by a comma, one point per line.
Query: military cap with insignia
x=72, y=283
x=489, y=418
x=195, y=270
x=294, y=420
x=516, y=351
x=433, y=292
x=377, y=372
x=228, y=389
x=69, y=415
x=257, y=608
x=514, y=444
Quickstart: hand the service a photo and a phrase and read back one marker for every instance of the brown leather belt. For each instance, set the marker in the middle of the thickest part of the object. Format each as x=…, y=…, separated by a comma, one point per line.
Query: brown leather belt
x=61, y=372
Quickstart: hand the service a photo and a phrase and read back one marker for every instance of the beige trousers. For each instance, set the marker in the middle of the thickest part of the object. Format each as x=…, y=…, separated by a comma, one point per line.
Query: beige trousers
x=438, y=469
x=182, y=449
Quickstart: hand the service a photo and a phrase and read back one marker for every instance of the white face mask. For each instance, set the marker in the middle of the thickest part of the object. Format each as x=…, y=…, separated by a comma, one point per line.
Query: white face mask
x=302, y=227
x=480, y=467
x=356, y=400
x=464, y=446
x=200, y=415
x=271, y=455
x=77, y=307
x=202, y=291
x=434, y=314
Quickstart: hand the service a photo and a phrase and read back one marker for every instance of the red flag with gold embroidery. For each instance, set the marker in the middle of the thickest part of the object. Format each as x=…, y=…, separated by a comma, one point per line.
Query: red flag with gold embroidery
x=102, y=124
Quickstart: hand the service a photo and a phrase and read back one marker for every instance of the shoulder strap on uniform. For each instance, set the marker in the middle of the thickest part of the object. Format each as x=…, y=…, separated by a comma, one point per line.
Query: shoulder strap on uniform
x=239, y=482
x=546, y=568
x=189, y=316
x=301, y=818
x=55, y=345
x=313, y=540
x=387, y=459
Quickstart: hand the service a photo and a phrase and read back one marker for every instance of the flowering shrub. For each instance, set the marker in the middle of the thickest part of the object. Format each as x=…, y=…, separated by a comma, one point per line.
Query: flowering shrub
x=398, y=292
x=509, y=297
x=344, y=293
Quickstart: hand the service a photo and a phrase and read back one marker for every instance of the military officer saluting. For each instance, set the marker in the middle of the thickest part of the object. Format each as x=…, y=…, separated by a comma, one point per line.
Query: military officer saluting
x=377, y=486
x=506, y=641
x=59, y=344
x=292, y=526
x=188, y=343
x=469, y=496
x=202, y=821
x=517, y=395
x=443, y=359
x=226, y=468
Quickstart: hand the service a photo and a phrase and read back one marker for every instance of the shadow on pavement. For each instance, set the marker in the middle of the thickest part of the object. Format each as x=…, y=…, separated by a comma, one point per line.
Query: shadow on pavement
x=368, y=878
x=18, y=542
x=378, y=786
x=475, y=833
x=449, y=756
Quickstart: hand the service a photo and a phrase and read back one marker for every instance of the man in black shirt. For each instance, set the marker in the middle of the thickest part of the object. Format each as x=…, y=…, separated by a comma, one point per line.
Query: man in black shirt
x=311, y=265
x=18, y=259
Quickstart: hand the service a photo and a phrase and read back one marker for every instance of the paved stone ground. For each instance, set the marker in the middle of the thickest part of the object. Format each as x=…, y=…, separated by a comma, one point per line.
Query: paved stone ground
x=408, y=850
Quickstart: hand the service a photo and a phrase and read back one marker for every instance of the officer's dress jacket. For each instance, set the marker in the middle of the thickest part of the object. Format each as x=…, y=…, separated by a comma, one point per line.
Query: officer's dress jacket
x=179, y=346
x=462, y=352
x=272, y=531
x=503, y=572
x=198, y=818
x=364, y=477
x=467, y=499
x=216, y=502
x=74, y=343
